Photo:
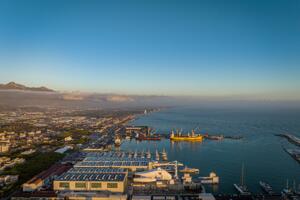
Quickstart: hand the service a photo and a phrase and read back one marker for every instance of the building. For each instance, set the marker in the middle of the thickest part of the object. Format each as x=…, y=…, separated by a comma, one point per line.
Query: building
x=82, y=179
x=131, y=165
x=4, y=146
x=45, y=177
x=115, y=160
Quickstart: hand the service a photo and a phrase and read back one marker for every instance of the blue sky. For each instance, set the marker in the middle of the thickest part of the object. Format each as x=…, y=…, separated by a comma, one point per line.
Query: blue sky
x=200, y=48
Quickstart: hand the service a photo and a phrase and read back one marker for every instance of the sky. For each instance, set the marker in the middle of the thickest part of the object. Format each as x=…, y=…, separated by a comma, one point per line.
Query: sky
x=248, y=48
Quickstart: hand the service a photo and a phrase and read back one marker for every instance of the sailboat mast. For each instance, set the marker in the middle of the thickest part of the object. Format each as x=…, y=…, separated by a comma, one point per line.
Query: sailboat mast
x=242, y=175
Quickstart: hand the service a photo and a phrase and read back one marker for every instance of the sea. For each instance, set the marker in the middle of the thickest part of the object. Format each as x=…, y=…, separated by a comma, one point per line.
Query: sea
x=260, y=150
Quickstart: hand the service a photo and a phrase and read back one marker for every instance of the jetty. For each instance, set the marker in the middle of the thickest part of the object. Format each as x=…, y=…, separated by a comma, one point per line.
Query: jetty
x=291, y=138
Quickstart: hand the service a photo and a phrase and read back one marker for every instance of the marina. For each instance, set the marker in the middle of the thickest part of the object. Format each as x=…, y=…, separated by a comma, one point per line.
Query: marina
x=242, y=133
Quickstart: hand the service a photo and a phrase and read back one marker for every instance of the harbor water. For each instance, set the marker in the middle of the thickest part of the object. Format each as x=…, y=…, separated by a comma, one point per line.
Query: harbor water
x=259, y=150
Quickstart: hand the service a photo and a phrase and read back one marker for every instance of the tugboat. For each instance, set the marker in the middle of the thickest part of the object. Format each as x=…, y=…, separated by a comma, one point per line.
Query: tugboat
x=266, y=187
x=242, y=189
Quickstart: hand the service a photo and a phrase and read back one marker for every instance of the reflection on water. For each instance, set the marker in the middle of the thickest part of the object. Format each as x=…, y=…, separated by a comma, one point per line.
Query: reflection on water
x=259, y=150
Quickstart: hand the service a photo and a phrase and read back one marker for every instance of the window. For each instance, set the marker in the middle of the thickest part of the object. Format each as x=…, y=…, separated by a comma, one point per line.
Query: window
x=96, y=185
x=80, y=185
x=64, y=185
x=112, y=185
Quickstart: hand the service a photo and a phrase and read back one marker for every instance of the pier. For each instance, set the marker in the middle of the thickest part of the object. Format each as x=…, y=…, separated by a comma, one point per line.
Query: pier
x=291, y=138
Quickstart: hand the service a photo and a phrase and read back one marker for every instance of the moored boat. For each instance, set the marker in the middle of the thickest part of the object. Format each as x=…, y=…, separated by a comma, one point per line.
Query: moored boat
x=189, y=137
x=242, y=188
x=266, y=187
x=189, y=170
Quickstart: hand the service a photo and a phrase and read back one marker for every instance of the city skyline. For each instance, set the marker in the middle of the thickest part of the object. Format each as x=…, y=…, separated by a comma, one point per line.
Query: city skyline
x=206, y=48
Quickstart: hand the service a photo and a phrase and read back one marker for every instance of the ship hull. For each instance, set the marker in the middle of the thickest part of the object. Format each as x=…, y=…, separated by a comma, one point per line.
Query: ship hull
x=198, y=138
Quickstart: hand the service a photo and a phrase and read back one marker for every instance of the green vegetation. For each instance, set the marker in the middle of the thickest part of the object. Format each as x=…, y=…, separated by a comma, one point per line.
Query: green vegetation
x=79, y=136
x=34, y=164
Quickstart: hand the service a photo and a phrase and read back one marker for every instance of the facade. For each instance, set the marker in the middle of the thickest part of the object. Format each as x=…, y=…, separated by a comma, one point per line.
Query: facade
x=112, y=182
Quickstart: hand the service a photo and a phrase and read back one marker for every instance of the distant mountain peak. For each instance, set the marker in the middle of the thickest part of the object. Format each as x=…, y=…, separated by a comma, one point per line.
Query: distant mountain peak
x=15, y=86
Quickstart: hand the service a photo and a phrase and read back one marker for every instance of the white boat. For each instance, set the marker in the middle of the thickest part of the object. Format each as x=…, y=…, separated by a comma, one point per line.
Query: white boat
x=266, y=187
x=164, y=155
x=242, y=188
x=135, y=154
x=142, y=154
x=148, y=154
x=156, y=155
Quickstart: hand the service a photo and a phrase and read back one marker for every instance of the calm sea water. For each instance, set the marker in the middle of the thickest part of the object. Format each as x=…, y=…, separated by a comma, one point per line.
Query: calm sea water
x=259, y=150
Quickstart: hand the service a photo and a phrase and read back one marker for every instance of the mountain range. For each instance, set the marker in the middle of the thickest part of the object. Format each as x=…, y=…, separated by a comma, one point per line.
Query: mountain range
x=16, y=86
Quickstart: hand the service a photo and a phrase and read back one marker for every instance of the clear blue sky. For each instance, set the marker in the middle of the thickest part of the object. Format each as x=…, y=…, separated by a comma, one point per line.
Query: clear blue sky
x=201, y=48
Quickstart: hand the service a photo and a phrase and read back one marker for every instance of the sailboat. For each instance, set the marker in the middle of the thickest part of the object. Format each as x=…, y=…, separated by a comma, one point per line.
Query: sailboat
x=242, y=188
x=164, y=155
x=156, y=155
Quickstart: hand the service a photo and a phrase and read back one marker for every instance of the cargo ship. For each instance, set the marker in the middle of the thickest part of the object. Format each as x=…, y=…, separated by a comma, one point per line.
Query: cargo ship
x=150, y=135
x=189, y=137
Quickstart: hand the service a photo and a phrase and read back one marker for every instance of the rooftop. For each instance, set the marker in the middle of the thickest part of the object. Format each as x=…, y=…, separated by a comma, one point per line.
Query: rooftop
x=91, y=177
x=96, y=170
x=111, y=163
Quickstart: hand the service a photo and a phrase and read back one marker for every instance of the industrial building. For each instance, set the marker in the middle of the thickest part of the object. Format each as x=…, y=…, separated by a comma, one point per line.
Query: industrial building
x=45, y=177
x=74, y=181
x=132, y=164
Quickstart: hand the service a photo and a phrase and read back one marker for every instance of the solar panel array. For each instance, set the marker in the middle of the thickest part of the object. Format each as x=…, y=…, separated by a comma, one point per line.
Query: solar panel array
x=111, y=164
x=91, y=177
x=115, y=159
x=115, y=155
x=96, y=170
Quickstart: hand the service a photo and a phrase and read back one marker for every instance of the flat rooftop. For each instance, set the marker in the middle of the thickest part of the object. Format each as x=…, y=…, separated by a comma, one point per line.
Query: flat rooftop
x=111, y=163
x=115, y=159
x=96, y=170
x=91, y=177
x=114, y=155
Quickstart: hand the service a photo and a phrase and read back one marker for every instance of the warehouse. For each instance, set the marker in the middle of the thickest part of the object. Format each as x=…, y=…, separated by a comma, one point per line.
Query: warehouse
x=74, y=181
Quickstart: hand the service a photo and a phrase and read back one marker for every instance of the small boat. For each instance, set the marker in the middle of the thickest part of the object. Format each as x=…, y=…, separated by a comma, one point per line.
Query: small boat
x=189, y=170
x=164, y=155
x=135, y=154
x=156, y=155
x=266, y=187
x=143, y=154
x=287, y=191
x=242, y=189
x=148, y=155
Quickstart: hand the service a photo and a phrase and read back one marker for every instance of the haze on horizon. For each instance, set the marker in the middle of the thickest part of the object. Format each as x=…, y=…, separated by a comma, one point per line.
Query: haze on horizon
x=215, y=48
